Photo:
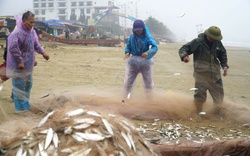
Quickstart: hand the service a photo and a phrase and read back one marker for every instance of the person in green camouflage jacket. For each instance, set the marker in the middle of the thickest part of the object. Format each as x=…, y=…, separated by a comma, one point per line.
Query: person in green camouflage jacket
x=209, y=56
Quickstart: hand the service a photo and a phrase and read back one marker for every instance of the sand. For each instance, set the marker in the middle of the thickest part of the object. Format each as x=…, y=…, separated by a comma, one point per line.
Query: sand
x=93, y=76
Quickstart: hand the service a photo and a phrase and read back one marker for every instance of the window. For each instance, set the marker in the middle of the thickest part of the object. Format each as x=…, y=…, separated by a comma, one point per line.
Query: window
x=36, y=12
x=73, y=3
x=61, y=4
x=51, y=4
x=88, y=11
x=81, y=3
x=82, y=11
x=36, y=5
x=62, y=11
x=62, y=17
x=89, y=3
x=43, y=12
x=43, y=5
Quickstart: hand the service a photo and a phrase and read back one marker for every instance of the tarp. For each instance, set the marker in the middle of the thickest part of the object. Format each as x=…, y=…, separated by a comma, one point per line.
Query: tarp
x=54, y=23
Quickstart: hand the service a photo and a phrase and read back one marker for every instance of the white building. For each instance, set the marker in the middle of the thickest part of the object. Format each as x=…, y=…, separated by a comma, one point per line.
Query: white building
x=74, y=9
x=128, y=8
x=63, y=9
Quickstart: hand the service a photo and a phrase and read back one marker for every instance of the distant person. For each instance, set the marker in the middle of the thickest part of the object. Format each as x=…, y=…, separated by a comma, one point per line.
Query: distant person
x=22, y=44
x=77, y=33
x=3, y=65
x=209, y=56
x=140, y=49
x=66, y=31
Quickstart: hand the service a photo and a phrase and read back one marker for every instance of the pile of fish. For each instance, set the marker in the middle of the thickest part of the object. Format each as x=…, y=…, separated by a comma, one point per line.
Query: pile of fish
x=159, y=132
x=80, y=132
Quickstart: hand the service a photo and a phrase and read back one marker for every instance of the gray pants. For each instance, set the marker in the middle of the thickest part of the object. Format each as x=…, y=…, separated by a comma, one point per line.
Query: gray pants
x=215, y=89
x=136, y=65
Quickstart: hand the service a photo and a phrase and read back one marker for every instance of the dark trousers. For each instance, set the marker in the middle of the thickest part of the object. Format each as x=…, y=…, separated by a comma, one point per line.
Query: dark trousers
x=215, y=89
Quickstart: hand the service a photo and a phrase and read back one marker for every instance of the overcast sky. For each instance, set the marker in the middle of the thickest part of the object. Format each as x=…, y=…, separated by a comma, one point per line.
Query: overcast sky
x=232, y=16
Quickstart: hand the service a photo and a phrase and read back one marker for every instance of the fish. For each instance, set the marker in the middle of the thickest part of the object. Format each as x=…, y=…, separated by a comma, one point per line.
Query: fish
x=112, y=115
x=1, y=87
x=49, y=138
x=81, y=126
x=77, y=138
x=85, y=120
x=45, y=119
x=55, y=140
x=128, y=97
x=132, y=142
x=20, y=151
x=108, y=126
x=90, y=136
x=68, y=130
x=93, y=113
x=193, y=89
x=126, y=139
x=75, y=112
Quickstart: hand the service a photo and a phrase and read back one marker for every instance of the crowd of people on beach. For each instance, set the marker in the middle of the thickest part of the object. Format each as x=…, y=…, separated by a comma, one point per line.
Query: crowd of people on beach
x=209, y=57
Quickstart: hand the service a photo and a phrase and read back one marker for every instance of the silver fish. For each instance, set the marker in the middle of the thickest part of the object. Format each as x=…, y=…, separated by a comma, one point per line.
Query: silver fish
x=126, y=139
x=45, y=119
x=20, y=151
x=49, y=138
x=68, y=130
x=77, y=138
x=89, y=136
x=81, y=126
x=132, y=142
x=108, y=126
x=75, y=112
x=85, y=120
x=93, y=113
x=55, y=140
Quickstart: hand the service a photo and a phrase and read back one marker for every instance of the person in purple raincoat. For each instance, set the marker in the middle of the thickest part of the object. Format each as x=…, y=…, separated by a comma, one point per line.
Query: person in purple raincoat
x=140, y=49
x=22, y=44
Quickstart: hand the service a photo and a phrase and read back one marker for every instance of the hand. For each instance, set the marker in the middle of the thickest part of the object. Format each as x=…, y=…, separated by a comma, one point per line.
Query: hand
x=45, y=56
x=186, y=59
x=21, y=65
x=144, y=55
x=225, y=71
x=126, y=56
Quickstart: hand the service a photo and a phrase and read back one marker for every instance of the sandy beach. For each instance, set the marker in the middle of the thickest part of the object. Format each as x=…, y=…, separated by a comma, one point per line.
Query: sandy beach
x=94, y=69
x=93, y=76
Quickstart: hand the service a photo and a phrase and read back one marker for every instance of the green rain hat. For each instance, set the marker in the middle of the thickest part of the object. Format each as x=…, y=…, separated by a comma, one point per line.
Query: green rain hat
x=214, y=33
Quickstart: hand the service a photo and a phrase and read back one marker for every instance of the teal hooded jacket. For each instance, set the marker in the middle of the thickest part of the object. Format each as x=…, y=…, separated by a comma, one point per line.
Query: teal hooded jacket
x=137, y=45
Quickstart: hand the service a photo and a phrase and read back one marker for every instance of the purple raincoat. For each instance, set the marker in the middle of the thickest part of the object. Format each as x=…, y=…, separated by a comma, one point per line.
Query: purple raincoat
x=22, y=44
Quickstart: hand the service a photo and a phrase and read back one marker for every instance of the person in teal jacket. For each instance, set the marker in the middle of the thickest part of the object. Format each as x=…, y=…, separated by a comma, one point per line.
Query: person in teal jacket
x=209, y=57
x=140, y=49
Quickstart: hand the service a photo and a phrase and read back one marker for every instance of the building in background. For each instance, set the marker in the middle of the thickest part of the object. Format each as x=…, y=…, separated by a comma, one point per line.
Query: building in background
x=128, y=8
x=84, y=10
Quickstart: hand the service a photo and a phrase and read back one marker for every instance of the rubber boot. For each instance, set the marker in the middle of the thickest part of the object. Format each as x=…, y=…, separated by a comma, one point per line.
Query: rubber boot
x=198, y=107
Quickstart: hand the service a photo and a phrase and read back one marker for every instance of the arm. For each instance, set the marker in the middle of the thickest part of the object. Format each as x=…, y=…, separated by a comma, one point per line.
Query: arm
x=223, y=60
x=14, y=49
x=154, y=48
x=188, y=49
x=128, y=48
x=38, y=48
